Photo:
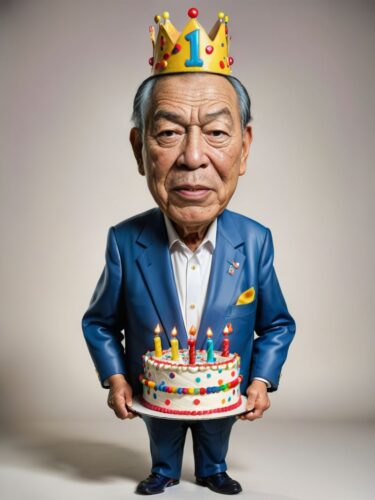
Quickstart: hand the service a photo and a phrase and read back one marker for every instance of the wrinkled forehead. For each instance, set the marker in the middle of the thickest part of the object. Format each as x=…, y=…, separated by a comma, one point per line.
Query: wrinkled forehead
x=194, y=92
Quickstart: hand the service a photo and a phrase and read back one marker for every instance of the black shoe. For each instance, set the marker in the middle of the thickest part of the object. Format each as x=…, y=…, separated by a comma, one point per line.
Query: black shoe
x=221, y=483
x=155, y=483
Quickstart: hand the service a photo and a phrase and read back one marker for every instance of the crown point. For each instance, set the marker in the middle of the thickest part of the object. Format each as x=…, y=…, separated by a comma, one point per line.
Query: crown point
x=231, y=60
x=226, y=19
x=151, y=61
x=166, y=15
x=220, y=15
x=193, y=13
x=157, y=19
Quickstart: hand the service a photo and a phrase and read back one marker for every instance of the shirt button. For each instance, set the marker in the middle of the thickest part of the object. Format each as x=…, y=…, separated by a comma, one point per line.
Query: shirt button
x=194, y=267
x=192, y=306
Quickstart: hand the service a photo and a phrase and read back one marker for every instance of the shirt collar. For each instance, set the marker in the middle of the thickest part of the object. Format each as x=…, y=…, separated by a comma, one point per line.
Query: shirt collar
x=209, y=241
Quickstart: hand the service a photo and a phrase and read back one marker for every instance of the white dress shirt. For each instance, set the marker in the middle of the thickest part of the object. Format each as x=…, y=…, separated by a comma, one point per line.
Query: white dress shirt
x=191, y=272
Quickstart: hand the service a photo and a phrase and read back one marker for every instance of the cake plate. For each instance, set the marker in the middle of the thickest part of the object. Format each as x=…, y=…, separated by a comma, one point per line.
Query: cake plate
x=137, y=407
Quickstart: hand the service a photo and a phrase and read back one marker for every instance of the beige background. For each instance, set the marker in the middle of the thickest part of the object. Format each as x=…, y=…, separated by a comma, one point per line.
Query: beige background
x=68, y=73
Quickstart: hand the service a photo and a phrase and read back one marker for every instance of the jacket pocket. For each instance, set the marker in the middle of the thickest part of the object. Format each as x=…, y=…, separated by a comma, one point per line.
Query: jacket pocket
x=242, y=310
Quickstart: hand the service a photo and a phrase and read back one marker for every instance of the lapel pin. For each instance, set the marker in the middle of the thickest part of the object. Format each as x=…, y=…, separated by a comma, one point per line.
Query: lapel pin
x=236, y=265
x=231, y=270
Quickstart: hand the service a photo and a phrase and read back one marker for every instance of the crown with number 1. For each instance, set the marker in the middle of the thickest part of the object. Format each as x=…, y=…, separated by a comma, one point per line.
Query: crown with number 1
x=192, y=50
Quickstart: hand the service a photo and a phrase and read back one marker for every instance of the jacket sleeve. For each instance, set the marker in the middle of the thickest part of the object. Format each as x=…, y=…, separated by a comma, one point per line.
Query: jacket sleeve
x=102, y=322
x=274, y=326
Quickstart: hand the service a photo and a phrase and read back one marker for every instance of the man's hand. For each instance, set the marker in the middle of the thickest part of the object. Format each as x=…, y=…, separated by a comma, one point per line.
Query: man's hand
x=120, y=394
x=257, y=400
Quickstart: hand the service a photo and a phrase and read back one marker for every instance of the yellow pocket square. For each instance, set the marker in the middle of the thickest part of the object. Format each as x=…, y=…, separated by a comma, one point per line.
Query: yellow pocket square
x=246, y=297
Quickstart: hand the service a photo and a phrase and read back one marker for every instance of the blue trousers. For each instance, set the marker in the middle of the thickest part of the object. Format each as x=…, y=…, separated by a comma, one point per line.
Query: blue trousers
x=210, y=444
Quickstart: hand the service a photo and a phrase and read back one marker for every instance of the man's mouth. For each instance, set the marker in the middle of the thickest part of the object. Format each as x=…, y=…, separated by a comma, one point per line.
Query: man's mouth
x=192, y=191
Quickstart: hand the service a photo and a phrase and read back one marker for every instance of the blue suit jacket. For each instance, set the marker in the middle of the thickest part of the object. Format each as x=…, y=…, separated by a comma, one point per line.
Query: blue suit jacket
x=137, y=290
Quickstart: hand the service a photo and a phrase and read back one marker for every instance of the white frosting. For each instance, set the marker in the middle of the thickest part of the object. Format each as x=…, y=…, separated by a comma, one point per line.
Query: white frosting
x=177, y=375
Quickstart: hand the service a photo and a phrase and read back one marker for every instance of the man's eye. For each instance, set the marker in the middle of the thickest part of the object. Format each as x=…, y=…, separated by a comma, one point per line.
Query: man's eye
x=218, y=133
x=167, y=133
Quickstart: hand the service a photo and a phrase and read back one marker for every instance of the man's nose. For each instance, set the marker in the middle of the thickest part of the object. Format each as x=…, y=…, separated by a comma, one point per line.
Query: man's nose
x=193, y=151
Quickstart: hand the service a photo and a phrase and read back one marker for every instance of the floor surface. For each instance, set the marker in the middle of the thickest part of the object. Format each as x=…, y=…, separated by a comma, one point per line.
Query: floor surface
x=105, y=460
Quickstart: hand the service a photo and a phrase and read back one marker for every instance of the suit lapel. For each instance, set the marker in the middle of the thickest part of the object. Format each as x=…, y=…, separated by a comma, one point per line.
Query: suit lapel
x=224, y=279
x=156, y=268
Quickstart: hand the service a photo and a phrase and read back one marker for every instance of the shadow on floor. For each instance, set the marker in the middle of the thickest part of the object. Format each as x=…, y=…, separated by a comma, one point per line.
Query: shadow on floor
x=103, y=462
x=87, y=460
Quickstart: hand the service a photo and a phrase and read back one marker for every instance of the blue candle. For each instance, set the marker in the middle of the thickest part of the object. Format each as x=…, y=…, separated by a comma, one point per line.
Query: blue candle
x=210, y=347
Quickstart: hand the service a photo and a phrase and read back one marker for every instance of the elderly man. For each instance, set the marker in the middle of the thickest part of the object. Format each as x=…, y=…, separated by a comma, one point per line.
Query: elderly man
x=185, y=263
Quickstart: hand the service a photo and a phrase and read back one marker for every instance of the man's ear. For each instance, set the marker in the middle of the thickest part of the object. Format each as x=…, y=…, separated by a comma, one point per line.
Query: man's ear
x=247, y=139
x=136, y=142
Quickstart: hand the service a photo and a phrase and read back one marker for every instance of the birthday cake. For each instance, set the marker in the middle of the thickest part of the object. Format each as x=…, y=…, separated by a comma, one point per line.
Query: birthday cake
x=179, y=387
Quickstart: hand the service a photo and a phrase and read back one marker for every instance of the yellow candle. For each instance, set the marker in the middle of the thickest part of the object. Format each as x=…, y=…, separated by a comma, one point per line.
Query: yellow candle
x=157, y=341
x=174, y=345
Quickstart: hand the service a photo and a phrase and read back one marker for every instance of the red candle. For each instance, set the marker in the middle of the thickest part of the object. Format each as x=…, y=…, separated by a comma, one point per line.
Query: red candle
x=191, y=344
x=225, y=342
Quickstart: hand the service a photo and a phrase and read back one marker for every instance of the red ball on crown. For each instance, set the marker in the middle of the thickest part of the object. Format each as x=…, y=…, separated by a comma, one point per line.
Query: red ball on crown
x=193, y=13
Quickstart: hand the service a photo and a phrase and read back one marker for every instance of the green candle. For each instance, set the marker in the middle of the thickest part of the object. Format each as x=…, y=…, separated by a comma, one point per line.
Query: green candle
x=210, y=347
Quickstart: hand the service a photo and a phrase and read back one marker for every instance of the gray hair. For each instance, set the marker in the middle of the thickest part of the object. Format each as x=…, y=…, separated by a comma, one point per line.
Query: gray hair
x=143, y=97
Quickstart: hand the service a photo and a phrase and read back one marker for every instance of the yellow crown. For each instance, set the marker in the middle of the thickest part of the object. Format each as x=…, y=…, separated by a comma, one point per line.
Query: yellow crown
x=192, y=50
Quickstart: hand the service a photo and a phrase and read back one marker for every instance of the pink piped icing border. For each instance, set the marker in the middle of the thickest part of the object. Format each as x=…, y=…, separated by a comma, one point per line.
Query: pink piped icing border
x=150, y=406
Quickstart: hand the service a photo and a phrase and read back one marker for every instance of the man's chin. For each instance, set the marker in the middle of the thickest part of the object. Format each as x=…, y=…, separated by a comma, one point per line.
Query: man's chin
x=191, y=216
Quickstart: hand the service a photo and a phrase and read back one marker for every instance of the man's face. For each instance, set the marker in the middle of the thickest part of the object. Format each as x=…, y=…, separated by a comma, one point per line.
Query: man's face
x=194, y=148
